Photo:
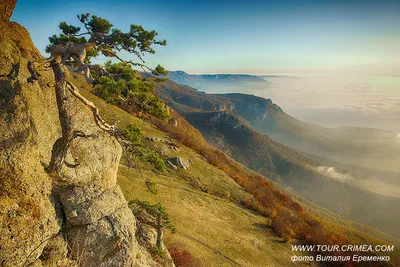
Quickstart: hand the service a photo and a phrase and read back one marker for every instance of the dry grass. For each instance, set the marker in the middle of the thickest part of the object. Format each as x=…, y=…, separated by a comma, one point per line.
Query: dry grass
x=210, y=226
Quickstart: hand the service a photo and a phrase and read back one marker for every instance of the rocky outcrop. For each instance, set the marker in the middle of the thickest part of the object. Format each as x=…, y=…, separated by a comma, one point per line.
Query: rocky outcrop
x=156, y=139
x=179, y=162
x=79, y=211
x=29, y=223
x=6, y=9
x=227, y=120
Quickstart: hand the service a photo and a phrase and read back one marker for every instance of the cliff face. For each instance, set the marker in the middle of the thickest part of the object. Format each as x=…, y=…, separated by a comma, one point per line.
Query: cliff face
x=78, y=217
x=6, y=9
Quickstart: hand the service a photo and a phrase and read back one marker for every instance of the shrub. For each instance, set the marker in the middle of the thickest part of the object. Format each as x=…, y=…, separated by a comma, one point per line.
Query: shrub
x=227, y=195
x=145, y=154
x=152, y=186
x=133, y=134
x=155, y=159
x=287, y=235
x=183, y=257
x=157, y=253
x=108, y=89
x=130, y=91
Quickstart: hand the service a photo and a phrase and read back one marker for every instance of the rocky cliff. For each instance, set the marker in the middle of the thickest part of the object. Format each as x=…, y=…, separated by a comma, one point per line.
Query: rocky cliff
x=77, y=217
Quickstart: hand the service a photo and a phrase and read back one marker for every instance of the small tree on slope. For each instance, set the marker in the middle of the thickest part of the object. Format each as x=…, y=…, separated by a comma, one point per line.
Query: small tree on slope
x=75, y=47
x=157, y=217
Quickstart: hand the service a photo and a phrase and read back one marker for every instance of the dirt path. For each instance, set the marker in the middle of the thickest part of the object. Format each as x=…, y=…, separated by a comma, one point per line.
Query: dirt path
x=210, y=248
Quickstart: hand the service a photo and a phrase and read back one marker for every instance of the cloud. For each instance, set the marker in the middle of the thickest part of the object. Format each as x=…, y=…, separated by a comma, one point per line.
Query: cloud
x=331, y=100
x=376, y=106
x=371, y=184
x=332, y=173
x=398, y=135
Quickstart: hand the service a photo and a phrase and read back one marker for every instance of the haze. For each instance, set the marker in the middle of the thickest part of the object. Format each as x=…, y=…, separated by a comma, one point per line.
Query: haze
x=346, y=52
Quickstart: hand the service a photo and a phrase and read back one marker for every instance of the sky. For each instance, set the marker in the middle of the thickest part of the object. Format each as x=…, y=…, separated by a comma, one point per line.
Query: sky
x=257, y=37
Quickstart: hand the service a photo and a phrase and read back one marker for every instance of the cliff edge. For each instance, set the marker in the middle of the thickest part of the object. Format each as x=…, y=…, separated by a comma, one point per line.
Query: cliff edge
x=76, y=218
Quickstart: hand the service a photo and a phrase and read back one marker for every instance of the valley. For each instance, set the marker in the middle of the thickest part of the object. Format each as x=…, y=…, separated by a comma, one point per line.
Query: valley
x=237, y=124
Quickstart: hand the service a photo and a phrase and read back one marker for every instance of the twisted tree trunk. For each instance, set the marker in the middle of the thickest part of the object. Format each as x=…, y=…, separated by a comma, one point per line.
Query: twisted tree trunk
x=159, y=231
x=61, y=146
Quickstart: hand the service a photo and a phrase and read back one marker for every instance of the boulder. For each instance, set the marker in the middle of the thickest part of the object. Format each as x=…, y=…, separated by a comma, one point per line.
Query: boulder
x=155, y=139
x=180, y=162
x=29, y=223
x=175, y=148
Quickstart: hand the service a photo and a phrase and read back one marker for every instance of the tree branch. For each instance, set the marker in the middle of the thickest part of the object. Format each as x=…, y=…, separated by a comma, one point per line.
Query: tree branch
x=100, y=122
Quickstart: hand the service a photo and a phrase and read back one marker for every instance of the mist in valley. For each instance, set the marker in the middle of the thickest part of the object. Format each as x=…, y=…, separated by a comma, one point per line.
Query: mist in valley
x=390, y=188
x=342, y=102
x=328, y=100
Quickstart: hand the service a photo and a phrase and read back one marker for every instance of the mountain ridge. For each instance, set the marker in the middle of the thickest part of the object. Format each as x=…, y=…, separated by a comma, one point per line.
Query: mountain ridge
x=227, y=120
x=342, y=144
x=207, y=81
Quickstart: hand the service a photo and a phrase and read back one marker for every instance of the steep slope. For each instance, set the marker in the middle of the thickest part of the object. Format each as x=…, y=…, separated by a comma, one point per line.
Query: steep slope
x=294, y=170
x=365, y=147
x=27, y=215
x=286, y=166
x=203, y=203
x=78, y=216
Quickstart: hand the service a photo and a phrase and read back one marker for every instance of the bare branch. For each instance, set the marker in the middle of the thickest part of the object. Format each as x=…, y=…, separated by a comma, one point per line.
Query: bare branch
x=100, y=122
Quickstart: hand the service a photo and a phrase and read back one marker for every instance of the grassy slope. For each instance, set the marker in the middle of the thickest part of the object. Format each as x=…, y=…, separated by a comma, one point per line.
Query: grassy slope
x=213, y=228
x=261, y=154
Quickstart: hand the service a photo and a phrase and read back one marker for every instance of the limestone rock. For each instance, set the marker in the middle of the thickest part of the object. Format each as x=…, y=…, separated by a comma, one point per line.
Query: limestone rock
x=98, y=227
x=156, y=139
x=28, y=219
x=88, y=209
x=180, y=162
x=6, y=9
x=175, y=148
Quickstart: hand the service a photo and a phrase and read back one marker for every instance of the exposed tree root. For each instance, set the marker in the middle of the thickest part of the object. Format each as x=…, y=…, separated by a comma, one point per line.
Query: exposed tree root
x=99, y=121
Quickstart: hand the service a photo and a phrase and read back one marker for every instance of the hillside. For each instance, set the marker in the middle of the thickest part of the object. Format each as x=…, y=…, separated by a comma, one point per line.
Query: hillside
x=350, y=145
x=106, y=174
x=75, y=215
x=224, y=231
x=295, y=171
x=287, y=167
x=203, y=203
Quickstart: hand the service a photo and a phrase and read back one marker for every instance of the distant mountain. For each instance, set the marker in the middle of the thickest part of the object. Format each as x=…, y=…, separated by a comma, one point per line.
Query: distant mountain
x=206, y=81
x=366, y=147
x=351, y=145
x=278, y=76
x=228, y=121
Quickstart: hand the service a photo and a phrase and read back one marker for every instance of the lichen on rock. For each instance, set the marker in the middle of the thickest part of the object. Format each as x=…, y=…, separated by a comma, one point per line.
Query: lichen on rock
x=77, y=216
x=7, y=9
